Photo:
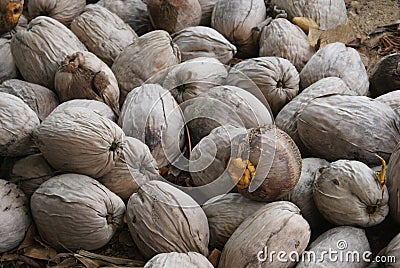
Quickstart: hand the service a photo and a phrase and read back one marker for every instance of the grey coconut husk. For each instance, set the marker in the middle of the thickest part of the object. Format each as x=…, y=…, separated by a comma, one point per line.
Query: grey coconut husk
x=283, y=39
x=275, y=77
x=339, y=61
x=132, y=12
x=8, y=70
x=135, y=167
x=385, y=75
x=160, y=124
x=79, y=140
x=63, y=11
x=393, y=183
x=40, y=99
x=30, y=172
x=189, y=79
x=163, y=219
x=225, y=213
x=277, y=226
x=224, y=105
x=73, y=211
x=173, y=16
x=391, y=253
x=175, y=259
x=98, y=107
x=302, y=193
x=207, y=7
x=103, y=32
x=200, y=41
x=348, y=193
x=151, y=53
x=236, y=19
x=17, y=125
x=326, y=13
x=82, y=75
x=343, y=239
x=15, y=218
x=391, y=99
x=287, y=118
x=348, y=127
x=39, y=50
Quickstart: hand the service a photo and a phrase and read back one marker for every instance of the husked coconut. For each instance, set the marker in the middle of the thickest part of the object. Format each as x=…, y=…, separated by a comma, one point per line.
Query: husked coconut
x=173, y=16
x=175, y=259
x=84, y=76
x=135, y=167
x=385, y=75
x=17, y=125
x=225, y=213
x=277, y=226
x=390, y=254
x=132, y=12
x=10, y=12
x=74, y=211
x=349, y=193
x=200, y=41
x=40, y=49
x=281, y=38
x=393, y=183
x=163, y=219
x=63, y=11
x=236, y=19
x=14, y=216
x=8, y=70
x=40, y=99
x=207, y=7
x=78, y=140
x=392, y=99
x=103, y=32
x=275, y=77
x=151, y=53
x=339, y=61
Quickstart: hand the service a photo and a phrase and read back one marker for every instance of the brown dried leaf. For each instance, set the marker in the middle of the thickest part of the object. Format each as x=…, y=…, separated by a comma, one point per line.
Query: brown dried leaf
x=305, y=23
x=29, y=238
x=214, y=257
x=342, y=33
x=39, y=252
x=8, y=257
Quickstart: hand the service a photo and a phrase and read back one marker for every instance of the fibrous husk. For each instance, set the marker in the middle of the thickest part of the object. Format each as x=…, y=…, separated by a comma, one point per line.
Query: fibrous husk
x=78, y=140
x=343, y=240
x=393, y=184
x=326, y=13
x=302, y=193
x=339, y=61
x=10, y=12
x=207, y=7
x=74, y=211
x=385, y=75
x=391, y=99
x=223, y=105
x=17, y=124
x=281, y=38
x=163, y=219
x=200, y=41
x=348, y=127
x=40, y=99
x=173, y=16
x=30, y=172
x=175, y=259
x=160, y=124
x=40, y=49
x=348, y=193
x=103, y=32
x=132, y=12
x=225, y=213
x=63, y=11
x=82, y=75
x=8, y=70
x=189, y=79
x=135, y=167
x=98, y=107
x=150, y=53
x=277, y=226
x=391, y=253
x=236, y=19
x=14, y=216
x=275, y=77
x=288, y=116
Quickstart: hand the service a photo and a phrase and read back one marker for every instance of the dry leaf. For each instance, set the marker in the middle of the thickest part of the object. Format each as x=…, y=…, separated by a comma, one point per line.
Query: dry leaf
x=342, y=33
x=8, y=257
x=214, y=257
x=39, y=252
x=305, y=23
x=29, y=238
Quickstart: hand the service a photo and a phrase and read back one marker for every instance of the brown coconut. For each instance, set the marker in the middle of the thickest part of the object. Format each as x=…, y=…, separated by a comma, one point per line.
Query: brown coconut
x=10, y=12
x=8, y=70
x=385, y=75
x=175, y=259
x=392, y=99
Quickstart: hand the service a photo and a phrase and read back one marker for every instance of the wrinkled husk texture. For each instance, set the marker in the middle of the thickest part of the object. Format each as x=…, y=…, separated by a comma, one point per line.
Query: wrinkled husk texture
x=44, y=34
x=14, y=216
x=393, y=184
x=175, y=259
x=8, y=70
x=103, y=32
x=392, y=99
x=163, y=219
x=207, y=7
x=80, y=141
x=73, y=211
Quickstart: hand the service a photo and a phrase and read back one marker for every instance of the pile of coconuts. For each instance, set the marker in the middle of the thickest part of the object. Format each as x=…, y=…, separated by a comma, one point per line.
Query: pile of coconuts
x=206, y=133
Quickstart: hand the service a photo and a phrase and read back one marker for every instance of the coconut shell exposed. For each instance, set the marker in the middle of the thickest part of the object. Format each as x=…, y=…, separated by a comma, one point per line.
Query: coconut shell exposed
x=10, y=12
x=8, y=70
x=175, y=259
x=385, y=75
